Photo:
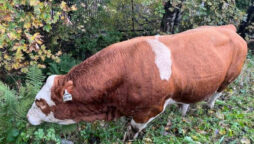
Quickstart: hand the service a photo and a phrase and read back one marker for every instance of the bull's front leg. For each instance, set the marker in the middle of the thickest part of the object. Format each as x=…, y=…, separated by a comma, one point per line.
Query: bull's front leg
x=133, y=130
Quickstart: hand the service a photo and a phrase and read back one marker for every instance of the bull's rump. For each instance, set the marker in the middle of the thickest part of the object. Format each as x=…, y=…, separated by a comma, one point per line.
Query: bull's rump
x=204, y=60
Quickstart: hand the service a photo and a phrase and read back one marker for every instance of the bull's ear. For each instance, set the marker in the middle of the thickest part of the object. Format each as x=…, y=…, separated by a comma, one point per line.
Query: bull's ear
x=67, y=91
x=69, y=86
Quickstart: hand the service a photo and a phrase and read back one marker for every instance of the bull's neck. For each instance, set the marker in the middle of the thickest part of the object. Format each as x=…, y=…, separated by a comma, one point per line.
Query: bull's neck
x=94, y=77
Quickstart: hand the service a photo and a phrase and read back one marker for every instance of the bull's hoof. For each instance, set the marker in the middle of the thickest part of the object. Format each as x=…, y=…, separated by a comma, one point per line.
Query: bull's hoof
x=129, y=134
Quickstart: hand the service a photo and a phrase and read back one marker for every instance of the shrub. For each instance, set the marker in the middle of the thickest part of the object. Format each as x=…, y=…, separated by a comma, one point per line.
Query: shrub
x=63, y=67
x=21, y=25
x=15, y=104
x=209, y=12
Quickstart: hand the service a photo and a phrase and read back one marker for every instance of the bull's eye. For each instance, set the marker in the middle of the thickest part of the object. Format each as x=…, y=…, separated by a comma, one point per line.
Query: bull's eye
x=40, y=104
x=43, y=105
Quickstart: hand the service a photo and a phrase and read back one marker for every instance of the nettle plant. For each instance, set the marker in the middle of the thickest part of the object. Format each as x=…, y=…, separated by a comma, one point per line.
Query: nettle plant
x=22, y=23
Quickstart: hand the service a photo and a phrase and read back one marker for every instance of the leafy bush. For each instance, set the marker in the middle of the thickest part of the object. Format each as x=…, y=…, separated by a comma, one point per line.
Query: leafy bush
x=22, y=23
x=63, y=67
x=209, y=12
x=15, y=104
x=90, y=44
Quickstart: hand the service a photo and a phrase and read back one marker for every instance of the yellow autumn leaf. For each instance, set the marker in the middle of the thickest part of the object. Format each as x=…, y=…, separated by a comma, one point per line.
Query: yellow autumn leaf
x=194, y=137
x=58, y=60
x=34, y=36
x=7, y=18
x=41, y=66
x=32, y=62
x=38, y=41
x=19, y=31
x=73, y=8
x=33, y=2
x=6, y=57
x=7, y=67
x=12, y=36
x=63, y=6
x=37, y=23
x=222, y=132
x=2, y=30
x=24, y=70
x=59, y=53
x=15, y=65
x=43, y=58
x=27, y=25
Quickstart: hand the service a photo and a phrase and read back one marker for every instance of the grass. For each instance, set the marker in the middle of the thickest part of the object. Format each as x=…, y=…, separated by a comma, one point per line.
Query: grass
x=231, y=121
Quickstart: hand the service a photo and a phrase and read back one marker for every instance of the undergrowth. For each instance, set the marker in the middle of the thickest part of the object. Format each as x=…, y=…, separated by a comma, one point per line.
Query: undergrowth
x=231, y=121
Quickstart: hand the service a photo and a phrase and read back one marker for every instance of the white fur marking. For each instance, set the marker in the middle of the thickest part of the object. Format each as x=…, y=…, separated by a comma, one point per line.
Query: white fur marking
x=36, y=116
x=184, y=109
x=157, y=36
x=45, y=92
x=213, y=98
x=162, y=58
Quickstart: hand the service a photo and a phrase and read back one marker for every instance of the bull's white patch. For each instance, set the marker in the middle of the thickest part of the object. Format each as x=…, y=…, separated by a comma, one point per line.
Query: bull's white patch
x=157, y=36
x=36, y=116
x=184, y=109
x=213, y=98
x=45, y=92
x=162, y=58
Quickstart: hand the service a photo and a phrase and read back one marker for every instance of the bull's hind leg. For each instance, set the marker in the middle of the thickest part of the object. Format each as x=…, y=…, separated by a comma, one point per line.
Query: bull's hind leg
x=184, y=109
x=212, y=99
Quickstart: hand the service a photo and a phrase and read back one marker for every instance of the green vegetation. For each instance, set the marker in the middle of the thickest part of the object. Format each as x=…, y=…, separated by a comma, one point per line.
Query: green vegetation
x=44, y=37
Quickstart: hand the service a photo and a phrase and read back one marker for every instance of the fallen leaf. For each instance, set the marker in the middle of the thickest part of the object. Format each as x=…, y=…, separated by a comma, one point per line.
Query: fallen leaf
x=219, y=115
x=148, y=140
x=245, y=140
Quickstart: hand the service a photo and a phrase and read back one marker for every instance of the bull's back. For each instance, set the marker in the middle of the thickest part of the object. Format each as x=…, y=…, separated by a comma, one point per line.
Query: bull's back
x=204, y=60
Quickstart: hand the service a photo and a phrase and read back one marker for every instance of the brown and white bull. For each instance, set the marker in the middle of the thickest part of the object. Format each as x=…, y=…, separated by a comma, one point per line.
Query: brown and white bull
x=138, y=78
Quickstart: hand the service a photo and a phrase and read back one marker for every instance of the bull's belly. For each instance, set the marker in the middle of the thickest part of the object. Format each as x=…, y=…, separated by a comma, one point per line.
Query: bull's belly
x=196, y=92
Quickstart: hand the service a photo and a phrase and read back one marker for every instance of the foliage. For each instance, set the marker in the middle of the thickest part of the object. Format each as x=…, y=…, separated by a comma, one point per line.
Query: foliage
x=244, y=4
x=21, y=25
x=209, y=12
x=63, y=67
x=14, y=105
x=126, y=15
x=88, y=45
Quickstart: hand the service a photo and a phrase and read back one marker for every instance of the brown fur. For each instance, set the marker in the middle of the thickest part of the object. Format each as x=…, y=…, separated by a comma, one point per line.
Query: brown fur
x=123, y=79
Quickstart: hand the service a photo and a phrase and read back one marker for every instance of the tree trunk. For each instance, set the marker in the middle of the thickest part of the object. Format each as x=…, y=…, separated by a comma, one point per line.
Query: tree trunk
x=171, y=17
x=243, y=29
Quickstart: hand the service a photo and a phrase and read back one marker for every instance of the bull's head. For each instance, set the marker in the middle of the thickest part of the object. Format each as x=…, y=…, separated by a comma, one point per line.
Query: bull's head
x=44, y=105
